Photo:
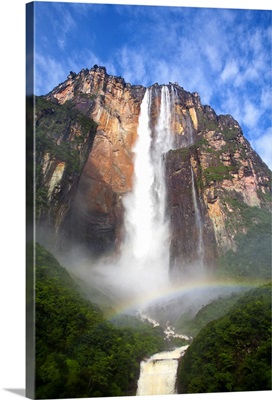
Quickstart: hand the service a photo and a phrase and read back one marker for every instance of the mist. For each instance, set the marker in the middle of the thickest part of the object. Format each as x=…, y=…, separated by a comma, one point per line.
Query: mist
x=142, y=265
x=136, y=279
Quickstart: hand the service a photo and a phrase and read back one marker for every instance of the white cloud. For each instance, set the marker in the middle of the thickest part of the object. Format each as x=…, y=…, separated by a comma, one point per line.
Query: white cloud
x=134, y=65
x=255, y=42
x=48, y=74
x=213, y=54
x=266, y=99
x=63, y=25
x=251, y=73
x=232, y=104
x=227, y=60
x=82, y=59
x=230, y=71
x=251, y=115
x=61, y=43
x=263, y=146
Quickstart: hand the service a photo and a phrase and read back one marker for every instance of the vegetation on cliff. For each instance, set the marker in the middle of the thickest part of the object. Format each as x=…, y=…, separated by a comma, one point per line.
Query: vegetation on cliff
x=252, y=256
x=191, y=326
x=54, y=131
x=79, y=353
x=232, y=353
x=64, y=134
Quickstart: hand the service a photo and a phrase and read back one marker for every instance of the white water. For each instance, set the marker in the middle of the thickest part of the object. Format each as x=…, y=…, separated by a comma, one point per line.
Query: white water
x=145, y=250
x=147, y=231
x=139, y=216
x=141, y=270
x=163, y=142
x=200, y=247
x=158, y=373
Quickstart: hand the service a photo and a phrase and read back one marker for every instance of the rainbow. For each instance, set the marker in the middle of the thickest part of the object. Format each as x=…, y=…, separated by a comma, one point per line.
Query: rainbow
x=171, y=291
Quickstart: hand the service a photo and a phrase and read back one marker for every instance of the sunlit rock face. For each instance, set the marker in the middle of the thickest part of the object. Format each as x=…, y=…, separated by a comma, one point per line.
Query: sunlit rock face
x=211, y=166
x=97, y=210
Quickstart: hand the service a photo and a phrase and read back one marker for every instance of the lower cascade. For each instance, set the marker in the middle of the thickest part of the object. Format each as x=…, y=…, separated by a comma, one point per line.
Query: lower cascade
x=158, y=373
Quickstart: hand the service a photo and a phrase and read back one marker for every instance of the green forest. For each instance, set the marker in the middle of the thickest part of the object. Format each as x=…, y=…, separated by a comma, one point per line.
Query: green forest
x=83, y=352
x=233, y=352
x=192, y=325
x=79, y=353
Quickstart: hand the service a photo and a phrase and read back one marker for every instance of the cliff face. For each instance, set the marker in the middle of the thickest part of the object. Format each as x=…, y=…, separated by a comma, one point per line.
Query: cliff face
x=97, y=211
x=211, y=167
x=182, y=166
x=63, y=139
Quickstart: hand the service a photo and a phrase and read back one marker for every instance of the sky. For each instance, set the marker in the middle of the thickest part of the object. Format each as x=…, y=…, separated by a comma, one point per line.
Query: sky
x=12, y=160
x=223, y=54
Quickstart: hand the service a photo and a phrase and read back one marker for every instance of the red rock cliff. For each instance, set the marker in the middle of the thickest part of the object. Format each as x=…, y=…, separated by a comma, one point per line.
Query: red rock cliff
x=225, y=168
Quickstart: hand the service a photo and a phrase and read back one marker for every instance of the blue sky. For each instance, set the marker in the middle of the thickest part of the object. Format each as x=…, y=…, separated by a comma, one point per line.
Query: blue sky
x=223, y=54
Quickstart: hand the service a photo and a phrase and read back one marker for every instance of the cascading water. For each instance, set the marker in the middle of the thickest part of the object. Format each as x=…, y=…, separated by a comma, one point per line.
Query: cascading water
x=146, y=243
x=141, y=270
x=158, y=373
x=143, y=265
x=163, y=142
x=139, y=214
x=198, y=221
x=147, y=229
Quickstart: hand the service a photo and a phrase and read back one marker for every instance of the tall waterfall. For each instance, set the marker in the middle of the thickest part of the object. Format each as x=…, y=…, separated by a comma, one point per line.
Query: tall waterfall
x=162, y=143
x=139, y=217
x=146, y=244
x=142, y=267
x=198, y=221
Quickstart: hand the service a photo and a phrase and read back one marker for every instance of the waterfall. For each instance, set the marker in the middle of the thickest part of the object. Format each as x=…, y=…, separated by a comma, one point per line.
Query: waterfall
x=198, y=221
x=142, y=265
x=163, y=142
x=158, y=374
x=146, y=244
x=139, y=204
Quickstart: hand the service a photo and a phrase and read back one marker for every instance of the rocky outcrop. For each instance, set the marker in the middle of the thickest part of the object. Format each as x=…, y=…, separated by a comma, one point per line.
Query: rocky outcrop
x=96, y=215
x=63, y=139
x=87, y=198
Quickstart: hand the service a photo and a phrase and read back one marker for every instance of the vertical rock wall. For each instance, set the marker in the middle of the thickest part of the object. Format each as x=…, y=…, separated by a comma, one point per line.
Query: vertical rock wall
x=224, y=165
x=181, y=210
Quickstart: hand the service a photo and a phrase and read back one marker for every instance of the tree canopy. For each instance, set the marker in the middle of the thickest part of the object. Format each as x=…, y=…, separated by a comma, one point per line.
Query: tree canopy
x=232, y=353
x=79, y=353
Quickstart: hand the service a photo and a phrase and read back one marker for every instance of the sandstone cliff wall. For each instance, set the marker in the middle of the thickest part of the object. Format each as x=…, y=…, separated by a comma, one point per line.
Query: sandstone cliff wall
x=224, y=165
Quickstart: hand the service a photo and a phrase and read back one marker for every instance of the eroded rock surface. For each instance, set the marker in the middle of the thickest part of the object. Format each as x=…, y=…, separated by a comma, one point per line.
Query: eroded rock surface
x=83, y=203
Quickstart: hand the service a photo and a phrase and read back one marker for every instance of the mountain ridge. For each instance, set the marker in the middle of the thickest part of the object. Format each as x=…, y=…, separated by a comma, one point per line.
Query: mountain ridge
x=228, y=175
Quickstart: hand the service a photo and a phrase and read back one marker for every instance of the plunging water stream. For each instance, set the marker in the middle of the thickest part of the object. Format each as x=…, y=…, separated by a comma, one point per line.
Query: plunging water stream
x=163, y=142
x=147, y=231
x=148, y=228
x=139, y=216
x=145, y=250
x=158, y=373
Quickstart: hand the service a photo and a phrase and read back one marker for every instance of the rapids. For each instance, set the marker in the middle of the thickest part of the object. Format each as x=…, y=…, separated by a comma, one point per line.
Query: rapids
x=158, y=373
